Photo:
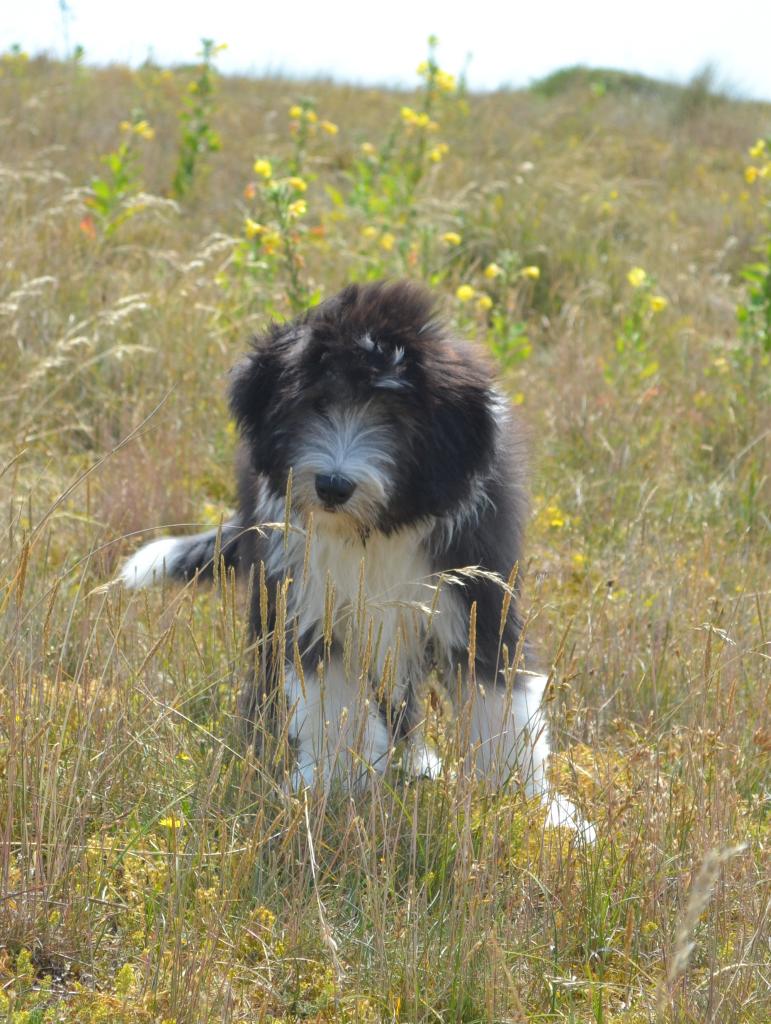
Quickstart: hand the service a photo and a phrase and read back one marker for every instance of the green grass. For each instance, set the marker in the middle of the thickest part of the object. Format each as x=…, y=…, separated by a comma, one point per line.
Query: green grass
x=150, y=868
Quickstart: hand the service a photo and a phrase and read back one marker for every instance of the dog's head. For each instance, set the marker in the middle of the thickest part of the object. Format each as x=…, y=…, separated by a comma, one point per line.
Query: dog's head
x=382, y=419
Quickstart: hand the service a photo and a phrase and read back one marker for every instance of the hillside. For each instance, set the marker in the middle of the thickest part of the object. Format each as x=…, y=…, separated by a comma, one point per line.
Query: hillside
x=607, y=241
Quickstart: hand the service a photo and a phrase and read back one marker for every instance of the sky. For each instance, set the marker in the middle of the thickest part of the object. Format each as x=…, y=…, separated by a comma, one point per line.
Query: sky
x=508, y=42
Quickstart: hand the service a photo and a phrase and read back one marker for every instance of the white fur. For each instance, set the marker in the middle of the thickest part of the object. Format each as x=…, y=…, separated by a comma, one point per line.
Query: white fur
x=336, y=727
x=508, y=732
x=150, y=563
x=352, y=442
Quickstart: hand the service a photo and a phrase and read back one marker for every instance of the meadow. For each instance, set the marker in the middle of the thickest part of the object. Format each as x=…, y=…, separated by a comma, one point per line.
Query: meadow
x=606, y=237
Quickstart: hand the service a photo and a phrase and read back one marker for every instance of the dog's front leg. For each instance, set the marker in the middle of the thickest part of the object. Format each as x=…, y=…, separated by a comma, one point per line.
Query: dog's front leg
x=509, y=740
x=335, y=726
x=507, y=732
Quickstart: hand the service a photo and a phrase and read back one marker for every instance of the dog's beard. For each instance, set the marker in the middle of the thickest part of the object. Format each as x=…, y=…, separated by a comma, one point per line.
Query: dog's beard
x=356, y=444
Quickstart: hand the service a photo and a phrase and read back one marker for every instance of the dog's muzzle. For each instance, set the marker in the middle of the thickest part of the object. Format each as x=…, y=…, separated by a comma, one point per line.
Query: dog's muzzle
x=334, y=489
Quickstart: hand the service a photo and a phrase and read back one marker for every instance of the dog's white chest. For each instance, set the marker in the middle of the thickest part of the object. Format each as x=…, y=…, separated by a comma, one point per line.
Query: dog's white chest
x=378, y=596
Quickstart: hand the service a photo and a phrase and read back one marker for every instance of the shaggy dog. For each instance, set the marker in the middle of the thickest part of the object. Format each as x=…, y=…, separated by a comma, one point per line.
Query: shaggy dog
x=381, y=510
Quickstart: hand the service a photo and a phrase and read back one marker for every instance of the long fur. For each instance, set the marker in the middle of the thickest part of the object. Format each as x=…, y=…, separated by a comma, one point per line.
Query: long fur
x=378, y=592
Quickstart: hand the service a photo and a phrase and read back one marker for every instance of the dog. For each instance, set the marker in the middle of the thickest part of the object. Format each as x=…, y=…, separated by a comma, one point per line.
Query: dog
x=382, y=502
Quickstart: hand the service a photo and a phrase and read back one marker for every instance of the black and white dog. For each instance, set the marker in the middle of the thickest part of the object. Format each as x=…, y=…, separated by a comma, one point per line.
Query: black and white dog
x=382, y=497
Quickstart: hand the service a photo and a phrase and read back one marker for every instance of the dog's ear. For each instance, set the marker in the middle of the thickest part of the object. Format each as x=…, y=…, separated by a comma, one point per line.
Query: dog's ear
x=462, y=438
x=253, y=384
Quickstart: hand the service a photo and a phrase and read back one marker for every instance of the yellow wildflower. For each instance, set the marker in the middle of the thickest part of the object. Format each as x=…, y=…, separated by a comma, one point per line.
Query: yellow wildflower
x=414, y=119
x=658, y=303
x=298, y=184
x=263, y=168
x=637, y=277
x=445, y=82
x=144, y=131
x=170, y=822
x=758, y=149
x=451, y=238
x=438, y=152
x=298, y=208
x=296, y=111
x=422, y=69
x=765, y=171
x=270, y=242
x=492, y=270
x=579, y=560
x=465, y=293
x=531, y=272
x=484, y=302
x=387, y=241
x=252, y=229
x=311, y=116
x=368, y=149
x=329, y=127
x=750, y=174
x=126, y=126
x=555, y=516
x=370, y=231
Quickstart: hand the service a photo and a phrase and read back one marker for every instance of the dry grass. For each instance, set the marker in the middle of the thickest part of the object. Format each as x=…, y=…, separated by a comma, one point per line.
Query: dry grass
x=149, y=869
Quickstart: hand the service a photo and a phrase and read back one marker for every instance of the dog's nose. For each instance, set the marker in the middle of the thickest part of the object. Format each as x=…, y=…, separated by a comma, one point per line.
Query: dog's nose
x=334, y=489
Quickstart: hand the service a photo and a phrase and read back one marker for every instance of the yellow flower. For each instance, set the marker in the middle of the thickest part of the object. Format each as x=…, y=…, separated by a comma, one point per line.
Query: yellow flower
x=329, y=127
x=311, y=116
x=438, y=152
x=465, y=293
x=484, y=302
x=750, y=174
x=387, y=241
x=170, y=822
x=298, y=184
x=422, y=69
x=270, y=242
x=555, y=516
x=579, y=560
x=296, y=111
x=368, y=149
x=658, y=303
x=126, y=126
x=414, y=119
x=144, y=131
x=532, y=272
x=445, y=82
x=298, y=208
x=263, y=168
x=758, y=149
x=637, y=277
x=492, y=270
x=451, y=238
x=369, y=231
x=252, y=229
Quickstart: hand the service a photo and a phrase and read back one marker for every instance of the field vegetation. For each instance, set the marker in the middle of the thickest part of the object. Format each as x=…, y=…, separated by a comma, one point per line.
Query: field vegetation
x=606, y=237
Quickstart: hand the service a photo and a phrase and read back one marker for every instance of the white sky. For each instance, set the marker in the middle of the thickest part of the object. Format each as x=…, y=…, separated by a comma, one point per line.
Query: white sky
x=376, y=42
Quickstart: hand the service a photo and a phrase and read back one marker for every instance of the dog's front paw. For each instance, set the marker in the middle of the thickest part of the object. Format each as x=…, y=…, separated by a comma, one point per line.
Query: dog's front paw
x=422, y=761
x=562, y=813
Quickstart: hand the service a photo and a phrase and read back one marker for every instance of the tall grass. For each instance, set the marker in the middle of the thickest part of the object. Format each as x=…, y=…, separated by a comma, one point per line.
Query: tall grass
x=153, y=869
